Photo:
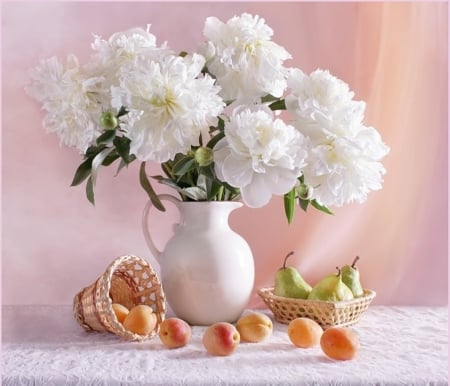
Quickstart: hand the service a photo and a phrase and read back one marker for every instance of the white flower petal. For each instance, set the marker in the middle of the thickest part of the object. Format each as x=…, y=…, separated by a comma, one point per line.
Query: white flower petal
x=256, y=194
x=237, y=172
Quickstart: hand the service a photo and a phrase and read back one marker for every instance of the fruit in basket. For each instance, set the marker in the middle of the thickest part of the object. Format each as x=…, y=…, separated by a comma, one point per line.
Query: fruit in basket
x=140, y=320
x=254, y=327
x=304, y=332
x=120, y=311
x=340, y=343
x=331, y=288
x=351, y=278
x=174, y=332
x=221, y=339
x=289, y=283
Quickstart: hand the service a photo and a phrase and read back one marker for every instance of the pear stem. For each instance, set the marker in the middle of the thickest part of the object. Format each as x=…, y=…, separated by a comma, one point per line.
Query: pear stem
x=354, y=261
x=285, y=259
x=339, y=271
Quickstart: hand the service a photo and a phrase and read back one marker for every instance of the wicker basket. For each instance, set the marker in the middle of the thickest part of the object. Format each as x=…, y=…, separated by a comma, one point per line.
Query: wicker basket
x=327, y=314
x=128, y=280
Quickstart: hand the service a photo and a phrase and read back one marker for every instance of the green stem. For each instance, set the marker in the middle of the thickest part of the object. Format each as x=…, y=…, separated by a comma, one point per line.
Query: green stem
x=220, y=193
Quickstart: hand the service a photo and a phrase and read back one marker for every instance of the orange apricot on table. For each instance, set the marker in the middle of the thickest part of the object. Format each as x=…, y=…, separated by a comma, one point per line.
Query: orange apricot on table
x=304, y=332
x=340, y=343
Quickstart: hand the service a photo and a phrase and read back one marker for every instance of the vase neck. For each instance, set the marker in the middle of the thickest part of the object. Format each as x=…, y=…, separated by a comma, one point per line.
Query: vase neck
x=207, y=215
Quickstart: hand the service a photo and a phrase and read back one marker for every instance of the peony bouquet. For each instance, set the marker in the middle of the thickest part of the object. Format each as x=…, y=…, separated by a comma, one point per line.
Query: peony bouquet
x=227, y=122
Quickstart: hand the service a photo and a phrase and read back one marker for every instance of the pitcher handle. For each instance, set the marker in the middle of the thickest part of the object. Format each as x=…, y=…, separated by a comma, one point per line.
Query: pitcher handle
x=148, y=238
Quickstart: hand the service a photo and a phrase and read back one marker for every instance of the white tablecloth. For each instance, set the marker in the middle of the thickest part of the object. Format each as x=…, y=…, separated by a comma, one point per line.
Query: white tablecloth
x=43, y=345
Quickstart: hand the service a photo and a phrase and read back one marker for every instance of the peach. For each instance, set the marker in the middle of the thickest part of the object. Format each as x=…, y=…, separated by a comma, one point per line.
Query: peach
x=254, y=327
x=221, y=339
x=120, y=311
x=174, y=332
x=304, y=332
x=140, y=320
x=340, y=343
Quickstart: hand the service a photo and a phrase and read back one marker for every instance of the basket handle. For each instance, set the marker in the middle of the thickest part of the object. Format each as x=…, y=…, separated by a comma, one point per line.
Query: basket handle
x=148, y=238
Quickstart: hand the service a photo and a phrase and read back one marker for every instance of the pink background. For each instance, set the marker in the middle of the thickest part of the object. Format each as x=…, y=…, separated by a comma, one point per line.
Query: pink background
x=393, y=55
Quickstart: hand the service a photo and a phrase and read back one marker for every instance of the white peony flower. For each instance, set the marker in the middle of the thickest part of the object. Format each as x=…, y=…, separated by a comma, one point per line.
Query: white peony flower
x=122, y=49
x=125, y=47
x=260, y=155
x=71, y=100
x=320, y=89
x=246, y=63
x=170, y=104
x=343, y=163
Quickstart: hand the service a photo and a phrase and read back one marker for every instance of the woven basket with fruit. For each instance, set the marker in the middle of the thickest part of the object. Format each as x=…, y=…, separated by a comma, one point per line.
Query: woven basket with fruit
x=127, y=300
x=337, y=300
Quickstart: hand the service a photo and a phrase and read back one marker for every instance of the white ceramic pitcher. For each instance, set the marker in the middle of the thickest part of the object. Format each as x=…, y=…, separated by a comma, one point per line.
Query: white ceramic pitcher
x=207, y=269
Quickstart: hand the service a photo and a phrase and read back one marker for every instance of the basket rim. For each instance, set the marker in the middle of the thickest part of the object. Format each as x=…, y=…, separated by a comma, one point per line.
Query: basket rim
x=267, y=292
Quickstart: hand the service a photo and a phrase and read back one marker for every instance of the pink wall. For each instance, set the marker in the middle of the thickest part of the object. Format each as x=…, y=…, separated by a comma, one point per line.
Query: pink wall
x=393, y=55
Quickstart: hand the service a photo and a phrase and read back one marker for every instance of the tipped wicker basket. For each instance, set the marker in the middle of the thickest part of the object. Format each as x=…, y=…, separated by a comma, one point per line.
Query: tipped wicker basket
x=128, y=280
x=326, y=313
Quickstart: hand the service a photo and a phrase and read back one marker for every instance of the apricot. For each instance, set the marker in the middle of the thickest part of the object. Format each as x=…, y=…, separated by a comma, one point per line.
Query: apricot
x=340, y=343
x=120, y=311
x=174, y=332
x=304, y=332
x=140, y=320
x=221, y=339
x=254, y=327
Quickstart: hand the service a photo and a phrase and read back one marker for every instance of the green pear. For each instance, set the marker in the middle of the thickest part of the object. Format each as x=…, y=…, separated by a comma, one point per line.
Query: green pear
x=331, y=288
x=350, y=277
x=289, y=283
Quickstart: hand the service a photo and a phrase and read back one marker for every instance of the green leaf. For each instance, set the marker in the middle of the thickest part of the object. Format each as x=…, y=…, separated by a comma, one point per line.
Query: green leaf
x=167, y=169
x=268, y=98
x=122, y=164
x=106, y=137
x=221, y=124
x=122, y=145
x=278, y=105
x=202, y=183
x=320, y=207
x=289, y=205
x=303, y=204
x=92, y=151
x=168, y=182
x=175, y=186
x=110, y=158
x=145, y=183
x=214, y=190
x=97, y=162
x=207, y=171
x=90, y=191
x=83, y=171
x=195, y=193
x=183, y=166
x=183, y=54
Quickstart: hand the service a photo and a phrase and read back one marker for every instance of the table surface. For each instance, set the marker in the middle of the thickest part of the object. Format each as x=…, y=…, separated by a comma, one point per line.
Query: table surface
x=44, y=345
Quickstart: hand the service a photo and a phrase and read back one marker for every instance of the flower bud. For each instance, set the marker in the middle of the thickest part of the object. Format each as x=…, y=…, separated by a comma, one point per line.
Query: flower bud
x=108, y=120
x=204, y=156
x=304, y=191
